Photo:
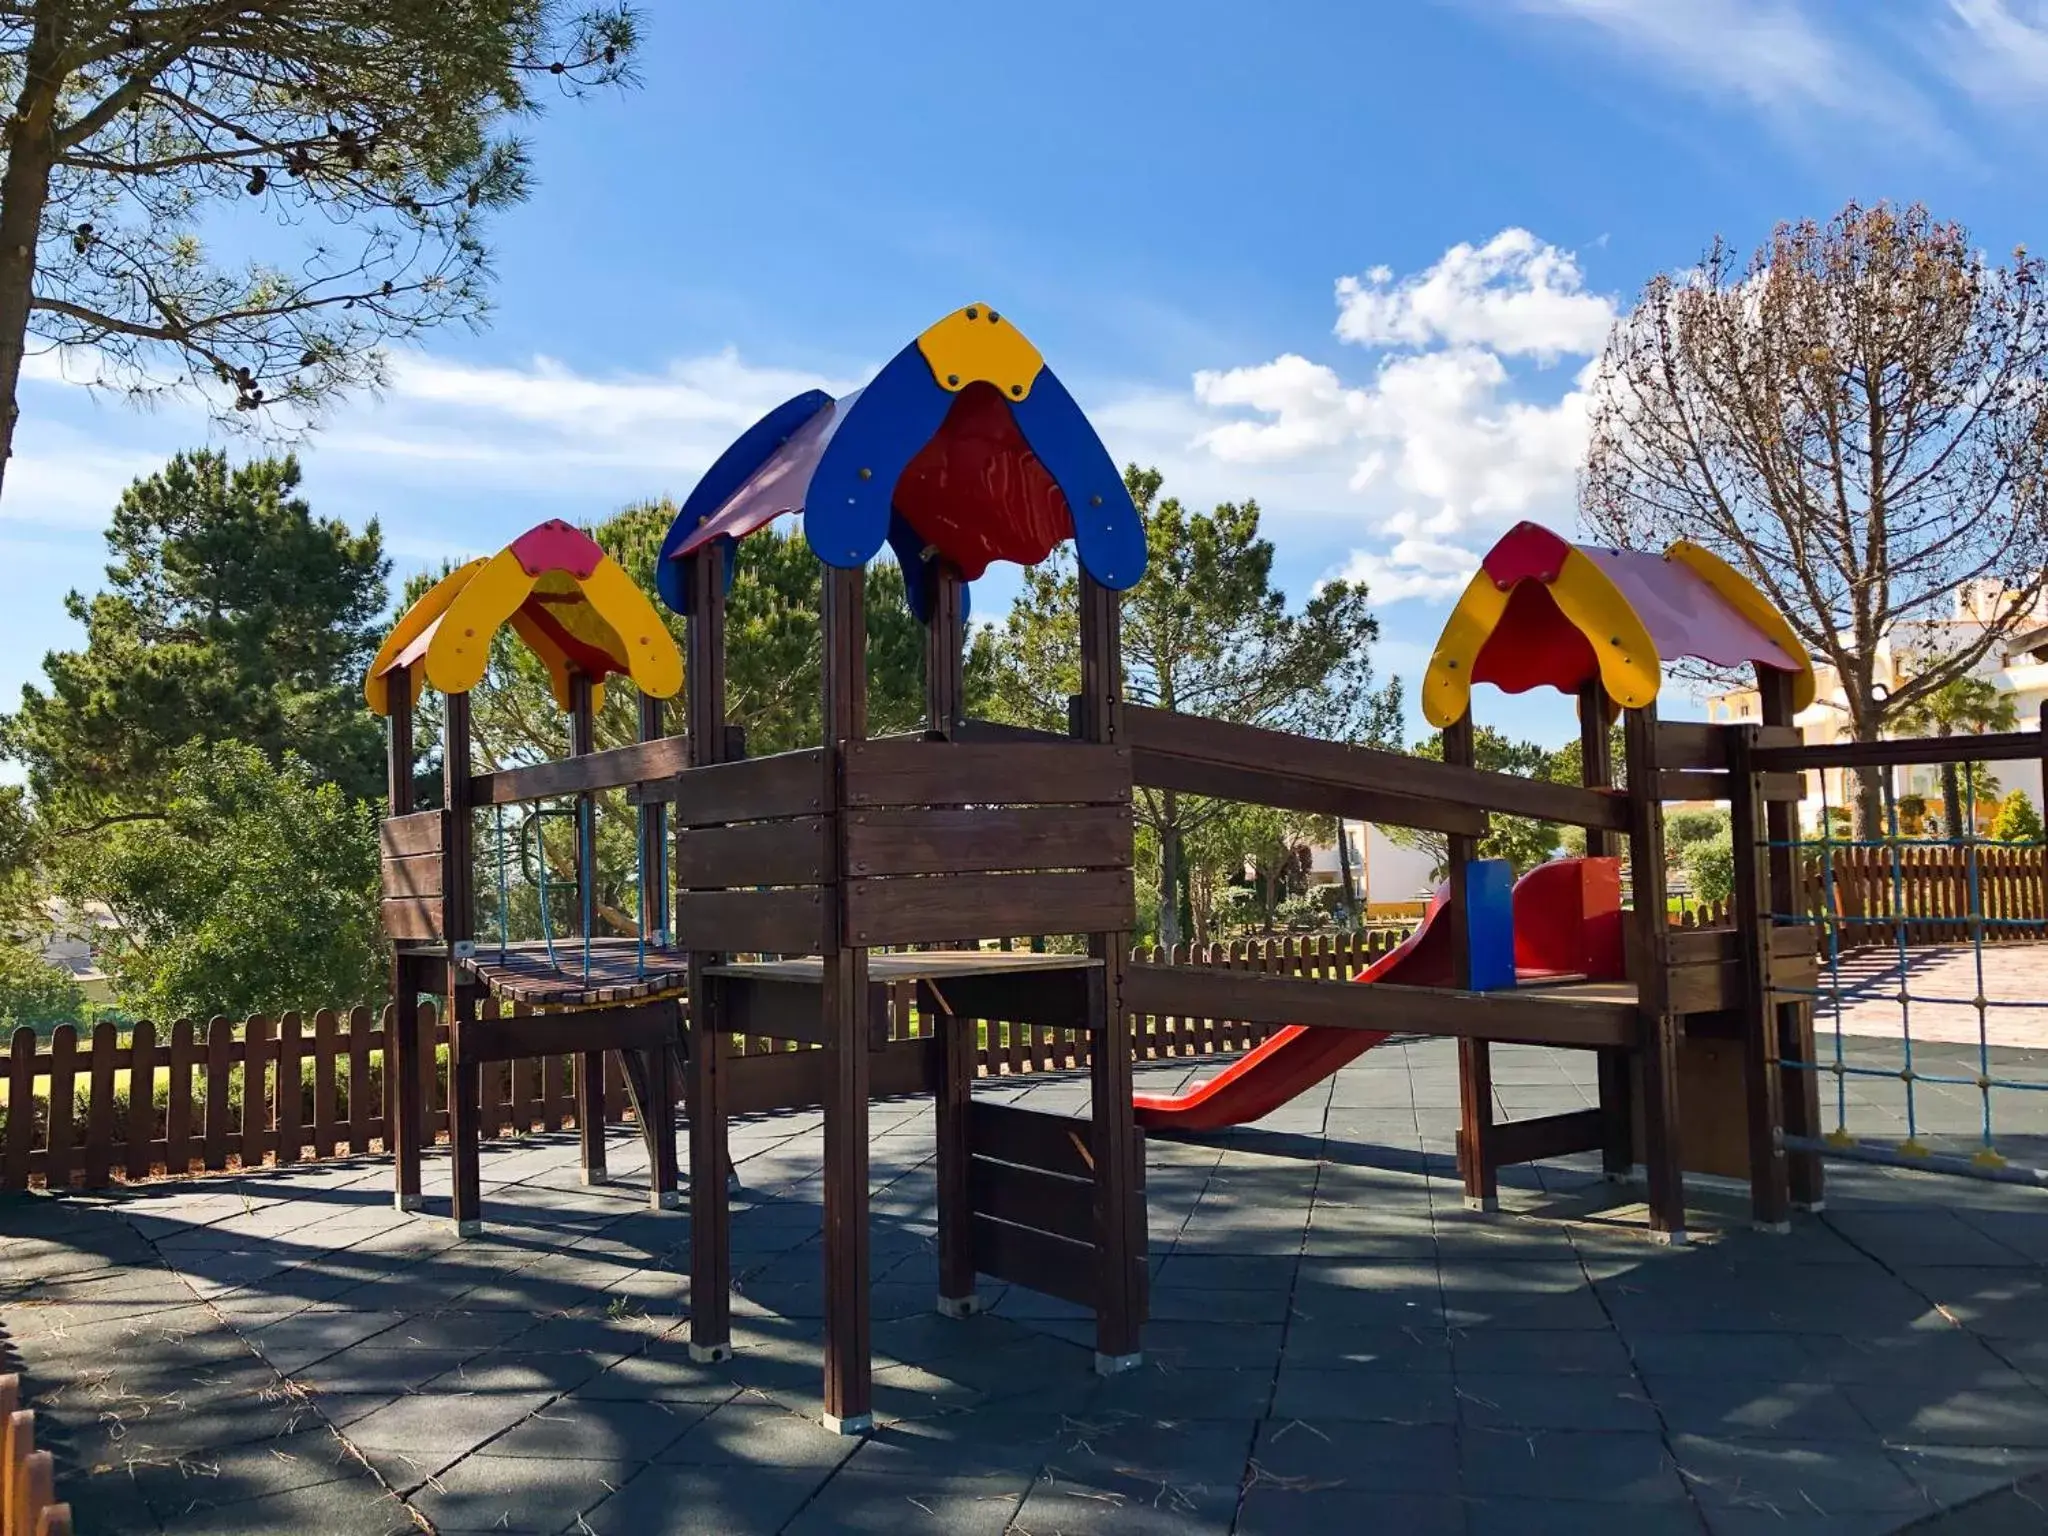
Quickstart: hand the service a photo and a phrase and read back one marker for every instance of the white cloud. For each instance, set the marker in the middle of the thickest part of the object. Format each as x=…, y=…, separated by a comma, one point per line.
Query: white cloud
x=1456, y=431
x=1996, y=49
x=1514, y=295
x=1789, y=58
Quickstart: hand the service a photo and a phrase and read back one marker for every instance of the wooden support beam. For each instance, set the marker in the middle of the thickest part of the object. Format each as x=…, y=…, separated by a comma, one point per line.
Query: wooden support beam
x=1616, y=1076
x=1532, y=1141
x=1103, y=717
x=404, y=833
x=848, y=1368
x=1367, y=768
x=1769, y=1197
x=1798, y=1091
x=1476, y=1155
x=640, y=762
x=1659, y=1025
x=704, y=1089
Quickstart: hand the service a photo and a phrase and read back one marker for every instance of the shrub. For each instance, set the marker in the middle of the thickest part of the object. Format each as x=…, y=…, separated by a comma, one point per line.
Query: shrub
x=1710, y=866
x=2018, y=821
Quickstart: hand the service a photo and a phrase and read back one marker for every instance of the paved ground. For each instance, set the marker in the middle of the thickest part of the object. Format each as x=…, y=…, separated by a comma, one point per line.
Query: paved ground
x=1336, y=1346
x=1942, y=984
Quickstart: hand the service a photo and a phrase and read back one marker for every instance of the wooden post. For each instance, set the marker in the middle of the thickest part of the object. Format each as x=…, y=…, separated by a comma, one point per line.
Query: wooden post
x=465, y=1087
x=1762, y=1105
x=704, y=1086
x=1113, y=1128
x=1476, y=1167
x=1659, y=1050
x=1617, y=1091
x=401, y=1050
x=660, y=1130
x=1798, y=1091
x=589, y=1064
x=954, y=1039
x=848, y=1384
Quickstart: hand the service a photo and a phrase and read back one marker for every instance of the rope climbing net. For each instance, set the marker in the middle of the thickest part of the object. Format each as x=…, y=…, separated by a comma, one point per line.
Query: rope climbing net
x=1931, y=1010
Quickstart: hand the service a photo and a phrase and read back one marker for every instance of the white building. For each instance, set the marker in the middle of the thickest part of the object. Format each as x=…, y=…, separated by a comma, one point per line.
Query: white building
x=1382, y=871
x=2018, y=667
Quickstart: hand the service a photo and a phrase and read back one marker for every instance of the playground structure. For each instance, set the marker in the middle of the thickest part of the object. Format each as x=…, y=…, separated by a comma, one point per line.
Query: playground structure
x=790, y=877
x=587, y=622
x=1689, y=1026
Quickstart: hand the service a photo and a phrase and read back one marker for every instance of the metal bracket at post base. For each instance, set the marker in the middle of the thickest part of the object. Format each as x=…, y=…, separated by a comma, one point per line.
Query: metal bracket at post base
x=855, y=1424
x=1116, y=1365
x=710, y=1354
x=959, y=1306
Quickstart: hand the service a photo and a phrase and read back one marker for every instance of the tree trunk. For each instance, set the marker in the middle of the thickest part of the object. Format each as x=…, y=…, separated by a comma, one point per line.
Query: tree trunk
x=1169, y=869
x=1344, y=867
x=1952, y=801
x=24, y=192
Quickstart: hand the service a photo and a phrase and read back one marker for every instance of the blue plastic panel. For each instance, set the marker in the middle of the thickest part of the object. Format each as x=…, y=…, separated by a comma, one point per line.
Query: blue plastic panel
x=1490, y=923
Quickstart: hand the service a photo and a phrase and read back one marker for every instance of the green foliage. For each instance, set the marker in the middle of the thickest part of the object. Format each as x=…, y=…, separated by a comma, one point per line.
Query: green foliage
x=232, y=614
x=376, y=128
x=2018, y=821
x=1206, y=632
x=1963, y=706
x=1684, y=828
x=33, y=991
x=1238, y=908
x=1523, y=842
x=256, y=891
x=1299, y=914
x=1709, y=865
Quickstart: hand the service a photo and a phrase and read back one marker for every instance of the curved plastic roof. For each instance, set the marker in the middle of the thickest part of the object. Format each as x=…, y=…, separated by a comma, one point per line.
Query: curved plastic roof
x=965, y=449
x=561, y=593
x=1543, y=613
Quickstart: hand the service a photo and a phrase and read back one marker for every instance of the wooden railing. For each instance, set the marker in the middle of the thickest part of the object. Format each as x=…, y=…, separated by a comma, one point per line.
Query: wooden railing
x=28, y=1499
x=73, y=1120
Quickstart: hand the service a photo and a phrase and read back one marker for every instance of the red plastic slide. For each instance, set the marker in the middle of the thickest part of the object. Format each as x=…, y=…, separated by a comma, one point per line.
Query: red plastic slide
x=1567, y=917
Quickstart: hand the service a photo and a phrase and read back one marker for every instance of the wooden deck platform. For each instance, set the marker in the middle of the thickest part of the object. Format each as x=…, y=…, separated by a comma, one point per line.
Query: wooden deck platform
x=525, y=973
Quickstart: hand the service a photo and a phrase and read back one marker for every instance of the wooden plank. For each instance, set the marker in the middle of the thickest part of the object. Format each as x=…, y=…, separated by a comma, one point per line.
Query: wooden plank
x=933, y=841
x=646, y=1027
x=774, y=1010
x=291, y=1136
x=1287, y=791
x=141, y=1098
x=756, y=789
x=637, y=763
x=63, y=1089
x=1031, y=1138
x=1368, y=768
x=362, y=1105
x=99, y=1124
x=412, y=917
x=1692, y=786
x=931, y=908
x=1512, y=1017
x=255, y=1090
x=220, y=1045
x=21, y=1082
x=1530, y=1141
x=914, y=771
x=1032, y=1197
x=178, y=1114
x=1056, y=998
x=1039, y=1261
x=2000, y=747
x=1692, y=745
x=792, y=851
x=422, y=832
x=326, y=1102
x=791, y=921
x=416, y=875
x=998, y=731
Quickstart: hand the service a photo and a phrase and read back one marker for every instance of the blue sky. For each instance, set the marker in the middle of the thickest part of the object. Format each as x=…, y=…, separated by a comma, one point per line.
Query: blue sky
x=1353, y=260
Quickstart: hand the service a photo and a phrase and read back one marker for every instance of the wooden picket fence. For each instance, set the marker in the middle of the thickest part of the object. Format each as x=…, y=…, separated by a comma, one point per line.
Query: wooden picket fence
x=1928, y=895
x=28, y=1498
x=318, y=1090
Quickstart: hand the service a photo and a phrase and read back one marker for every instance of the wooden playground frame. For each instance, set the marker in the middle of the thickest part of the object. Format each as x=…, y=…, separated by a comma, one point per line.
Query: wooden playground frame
x=793, y=874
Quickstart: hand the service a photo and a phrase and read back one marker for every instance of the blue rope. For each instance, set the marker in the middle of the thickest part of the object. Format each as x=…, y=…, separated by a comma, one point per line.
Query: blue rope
x=533, y=821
